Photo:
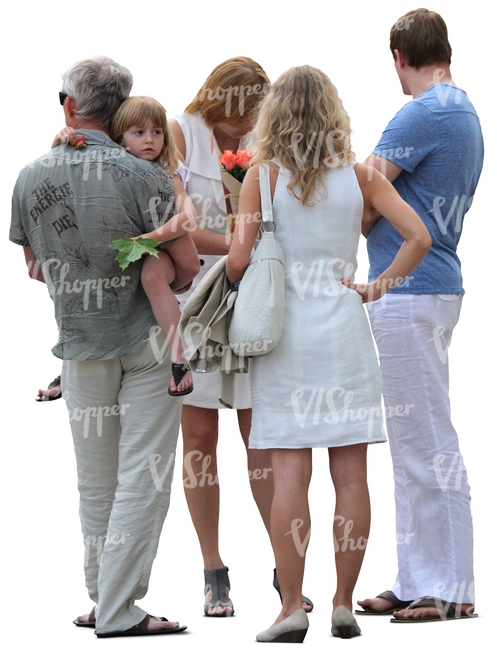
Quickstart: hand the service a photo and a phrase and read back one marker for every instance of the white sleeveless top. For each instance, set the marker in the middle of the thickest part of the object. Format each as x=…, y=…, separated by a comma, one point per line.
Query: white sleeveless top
x=320, y=386
x=205, y=188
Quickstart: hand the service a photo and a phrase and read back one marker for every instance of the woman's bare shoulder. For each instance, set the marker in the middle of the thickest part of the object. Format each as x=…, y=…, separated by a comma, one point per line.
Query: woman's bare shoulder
x=368, y=179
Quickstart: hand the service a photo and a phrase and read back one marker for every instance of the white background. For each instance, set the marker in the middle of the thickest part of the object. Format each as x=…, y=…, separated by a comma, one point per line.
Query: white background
x=170, y=48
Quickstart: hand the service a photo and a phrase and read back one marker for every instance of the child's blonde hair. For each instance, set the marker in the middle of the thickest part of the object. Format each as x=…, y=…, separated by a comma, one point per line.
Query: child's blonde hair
x=138, y=111
x=303, y=124
x=231, y=92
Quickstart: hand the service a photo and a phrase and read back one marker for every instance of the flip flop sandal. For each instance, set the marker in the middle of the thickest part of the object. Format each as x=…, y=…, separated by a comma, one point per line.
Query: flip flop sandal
x=46, y=398
x=216, y=583
x=391, y=597
x=179, y=371
x=448, y=611
x=305, y=600
x=90, y=622
x=141, y=629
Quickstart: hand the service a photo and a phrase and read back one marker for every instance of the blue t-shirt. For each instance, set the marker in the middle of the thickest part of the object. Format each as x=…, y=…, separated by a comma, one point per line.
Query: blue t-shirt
x=436, y=139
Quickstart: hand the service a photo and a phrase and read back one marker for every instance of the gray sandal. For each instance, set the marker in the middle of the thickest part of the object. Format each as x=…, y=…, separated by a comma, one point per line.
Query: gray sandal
x=305, y=600
x=217, y=584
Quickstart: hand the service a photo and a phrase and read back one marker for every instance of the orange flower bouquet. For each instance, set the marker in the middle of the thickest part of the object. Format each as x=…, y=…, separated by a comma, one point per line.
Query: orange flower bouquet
x=234, y=166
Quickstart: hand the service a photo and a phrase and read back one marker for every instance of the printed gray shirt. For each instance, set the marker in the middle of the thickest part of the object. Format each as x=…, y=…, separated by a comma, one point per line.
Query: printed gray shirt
x=68, y=206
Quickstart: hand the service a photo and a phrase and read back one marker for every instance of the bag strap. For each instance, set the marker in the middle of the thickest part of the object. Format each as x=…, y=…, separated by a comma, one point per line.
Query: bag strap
x=268, y=224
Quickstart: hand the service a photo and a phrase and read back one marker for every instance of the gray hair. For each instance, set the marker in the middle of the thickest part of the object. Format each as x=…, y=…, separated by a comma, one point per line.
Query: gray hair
x=98, y=86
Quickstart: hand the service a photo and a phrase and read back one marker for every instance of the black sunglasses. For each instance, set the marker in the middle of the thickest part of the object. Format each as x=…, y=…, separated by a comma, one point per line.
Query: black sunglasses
x=62, y=98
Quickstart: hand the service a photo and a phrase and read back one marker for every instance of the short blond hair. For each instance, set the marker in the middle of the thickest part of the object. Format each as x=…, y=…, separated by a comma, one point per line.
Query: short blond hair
x=138, y=111
x=303, y=124
x=231, y=92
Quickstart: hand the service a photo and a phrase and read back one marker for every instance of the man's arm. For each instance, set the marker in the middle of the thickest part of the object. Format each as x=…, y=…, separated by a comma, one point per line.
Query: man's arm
x=34, y=268
x=386, y=167
x=390, y=170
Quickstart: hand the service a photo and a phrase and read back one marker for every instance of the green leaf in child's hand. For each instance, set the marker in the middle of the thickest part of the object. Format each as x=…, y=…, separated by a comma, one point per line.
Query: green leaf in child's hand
x=131, y=250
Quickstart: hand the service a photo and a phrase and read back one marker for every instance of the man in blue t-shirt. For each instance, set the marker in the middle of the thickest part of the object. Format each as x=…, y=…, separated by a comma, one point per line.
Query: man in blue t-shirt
x=432, y=152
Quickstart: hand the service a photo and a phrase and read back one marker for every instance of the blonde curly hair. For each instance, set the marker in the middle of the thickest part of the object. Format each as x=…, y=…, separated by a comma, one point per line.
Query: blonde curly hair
x=302, y=123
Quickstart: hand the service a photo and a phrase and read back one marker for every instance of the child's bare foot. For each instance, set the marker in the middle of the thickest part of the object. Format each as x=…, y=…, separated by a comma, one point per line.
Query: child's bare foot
x=51, y=393
x=181, y=381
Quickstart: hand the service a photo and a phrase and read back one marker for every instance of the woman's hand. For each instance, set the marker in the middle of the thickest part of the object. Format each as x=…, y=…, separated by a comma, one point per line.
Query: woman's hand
x=381, y=197
x=67, y=135
x=246, y=228
x=369, y=292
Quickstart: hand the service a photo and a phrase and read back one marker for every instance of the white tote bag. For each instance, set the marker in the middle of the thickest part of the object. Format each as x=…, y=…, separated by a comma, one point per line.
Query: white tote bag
x=259, y=308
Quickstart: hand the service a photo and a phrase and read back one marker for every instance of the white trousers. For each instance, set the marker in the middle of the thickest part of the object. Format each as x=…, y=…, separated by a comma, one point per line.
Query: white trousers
x=434, y=524
x=125, y=428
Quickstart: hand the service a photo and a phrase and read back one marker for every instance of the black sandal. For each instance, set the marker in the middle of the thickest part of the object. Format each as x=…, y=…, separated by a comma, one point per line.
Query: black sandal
x=217, y=583
x=47, y=398
x=179, y=371
x=305, y=600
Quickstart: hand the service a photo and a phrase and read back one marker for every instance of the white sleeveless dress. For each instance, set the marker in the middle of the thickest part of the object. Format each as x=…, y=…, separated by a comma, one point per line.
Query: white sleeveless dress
x=320, y=386
x=205, y=188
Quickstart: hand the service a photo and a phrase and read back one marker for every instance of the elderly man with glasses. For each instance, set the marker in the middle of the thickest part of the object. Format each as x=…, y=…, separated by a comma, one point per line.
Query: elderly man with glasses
x=68, y=206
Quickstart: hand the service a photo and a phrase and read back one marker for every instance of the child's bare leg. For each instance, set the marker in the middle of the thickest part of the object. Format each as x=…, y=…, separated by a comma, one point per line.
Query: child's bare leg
x=157, y=275
x=185, y=259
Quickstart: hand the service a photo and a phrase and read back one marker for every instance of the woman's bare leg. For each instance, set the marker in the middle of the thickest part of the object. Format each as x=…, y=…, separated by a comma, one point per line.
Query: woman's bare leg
x=352, y=517
x=260, y=470
x=290, y=523
x=200, y=481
